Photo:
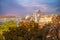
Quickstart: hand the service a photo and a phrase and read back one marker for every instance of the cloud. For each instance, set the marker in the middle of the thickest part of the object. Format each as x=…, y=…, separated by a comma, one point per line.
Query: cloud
x=23, y=7
x=43, y=7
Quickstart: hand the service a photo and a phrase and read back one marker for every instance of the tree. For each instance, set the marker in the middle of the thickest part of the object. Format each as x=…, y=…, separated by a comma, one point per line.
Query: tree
x=11, y=23
x=15, y=33
x=49, y=32
x=56, y=21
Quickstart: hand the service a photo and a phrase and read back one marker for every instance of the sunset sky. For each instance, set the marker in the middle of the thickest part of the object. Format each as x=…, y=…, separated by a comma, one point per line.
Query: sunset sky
x=23, y=7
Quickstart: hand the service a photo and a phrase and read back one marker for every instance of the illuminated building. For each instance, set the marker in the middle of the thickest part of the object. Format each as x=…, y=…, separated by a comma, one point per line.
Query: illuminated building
x=41, y=18
x=36, y=15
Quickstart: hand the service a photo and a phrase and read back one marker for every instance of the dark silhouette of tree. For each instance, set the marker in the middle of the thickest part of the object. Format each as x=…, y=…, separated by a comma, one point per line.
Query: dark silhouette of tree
x=34, y=33
x=49, y=32
x=15, y=33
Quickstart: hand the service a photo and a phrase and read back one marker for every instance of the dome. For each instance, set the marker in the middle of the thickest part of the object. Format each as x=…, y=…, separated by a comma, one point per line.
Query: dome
x=37, y=11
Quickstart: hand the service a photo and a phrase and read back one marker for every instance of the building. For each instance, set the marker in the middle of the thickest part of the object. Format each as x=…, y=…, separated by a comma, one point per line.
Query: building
x=39, y=17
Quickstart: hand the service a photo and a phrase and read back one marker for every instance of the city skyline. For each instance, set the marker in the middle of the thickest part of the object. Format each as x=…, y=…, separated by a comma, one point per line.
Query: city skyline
x=23, y=7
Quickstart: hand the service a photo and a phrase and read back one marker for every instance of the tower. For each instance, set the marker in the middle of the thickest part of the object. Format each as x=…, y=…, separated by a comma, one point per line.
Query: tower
x=35, y=17
x=36, y=14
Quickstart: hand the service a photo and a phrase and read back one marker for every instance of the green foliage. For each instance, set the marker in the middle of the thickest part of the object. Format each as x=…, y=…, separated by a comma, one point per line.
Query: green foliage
x=17, y=33
x=5, y=26
x=2, y=37
x=11, y=23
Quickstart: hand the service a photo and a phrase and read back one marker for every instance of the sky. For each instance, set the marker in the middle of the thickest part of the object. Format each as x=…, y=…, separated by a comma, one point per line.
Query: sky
x=24, y=7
